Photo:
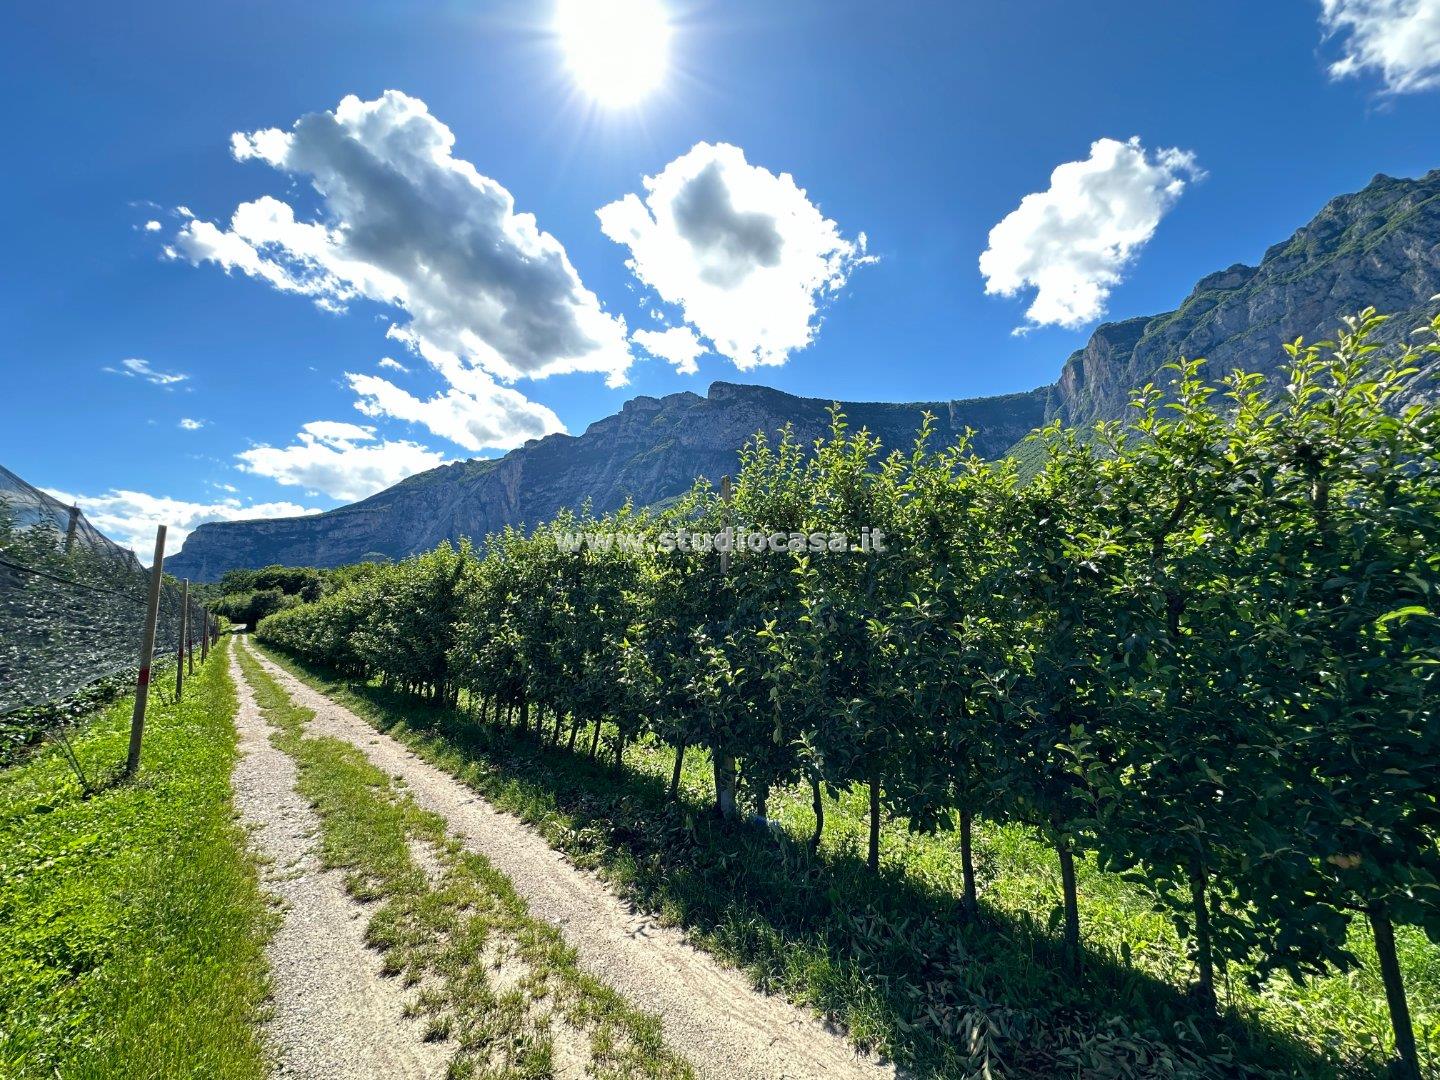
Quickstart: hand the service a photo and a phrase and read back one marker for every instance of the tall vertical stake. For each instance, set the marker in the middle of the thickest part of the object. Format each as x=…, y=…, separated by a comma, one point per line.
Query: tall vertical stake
x=71, y=528
x=147, y=654
x=184, y=630
x=204, y=636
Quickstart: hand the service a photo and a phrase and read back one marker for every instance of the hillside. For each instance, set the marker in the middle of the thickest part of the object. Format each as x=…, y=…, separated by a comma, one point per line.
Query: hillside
x=651, y=450
x=1379, y=246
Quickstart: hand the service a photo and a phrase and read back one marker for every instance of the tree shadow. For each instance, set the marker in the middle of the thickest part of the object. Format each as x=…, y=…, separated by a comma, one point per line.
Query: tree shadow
x=898, y=963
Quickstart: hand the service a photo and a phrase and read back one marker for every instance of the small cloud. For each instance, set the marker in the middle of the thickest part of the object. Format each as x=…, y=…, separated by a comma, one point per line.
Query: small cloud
x=345, y=461
x=678, y=345
x=135, y=368
x=394, y=365
x=187, y=424
x=1073, y=241
x=474, y=411
x=743, y=252
x=1396, y=40
x=152, y=226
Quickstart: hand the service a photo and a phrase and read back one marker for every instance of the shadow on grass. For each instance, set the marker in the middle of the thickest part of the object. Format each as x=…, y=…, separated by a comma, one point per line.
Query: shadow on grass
x=895, y=962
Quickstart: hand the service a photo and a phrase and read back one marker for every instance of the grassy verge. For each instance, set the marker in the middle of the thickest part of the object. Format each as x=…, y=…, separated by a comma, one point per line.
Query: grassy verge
x=892, y=957
x=132, y=925
x=502, y=985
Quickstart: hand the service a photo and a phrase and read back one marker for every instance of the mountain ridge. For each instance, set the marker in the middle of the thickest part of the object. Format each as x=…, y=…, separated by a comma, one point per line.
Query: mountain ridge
x=1377, y=247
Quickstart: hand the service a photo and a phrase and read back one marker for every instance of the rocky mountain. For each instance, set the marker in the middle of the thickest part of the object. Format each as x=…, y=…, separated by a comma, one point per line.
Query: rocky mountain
x=651, y=450
x=1378, y=247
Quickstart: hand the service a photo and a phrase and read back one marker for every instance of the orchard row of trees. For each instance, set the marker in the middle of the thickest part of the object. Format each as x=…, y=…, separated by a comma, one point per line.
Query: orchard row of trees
x=1199, y=646
x=247, y=596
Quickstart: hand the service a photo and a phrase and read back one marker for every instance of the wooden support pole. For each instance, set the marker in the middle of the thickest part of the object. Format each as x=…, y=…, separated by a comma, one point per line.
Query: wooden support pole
x=204, y=636
x=184, y=629
x=147, y=654
x=71, y=528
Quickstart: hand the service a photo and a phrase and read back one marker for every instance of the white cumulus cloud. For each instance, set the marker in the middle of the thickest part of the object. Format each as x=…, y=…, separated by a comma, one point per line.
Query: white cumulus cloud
x=678, y=345
x=1396, y=40
x=136, y=368
x=394, y=365
x=1072, y=242
x=742, y=252
x=131, y=517
x=187, y=424
x=473, y=412
x=407, y=224
x=345, y=461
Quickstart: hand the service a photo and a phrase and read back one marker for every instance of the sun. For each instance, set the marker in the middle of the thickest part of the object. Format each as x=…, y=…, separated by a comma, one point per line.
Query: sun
x=618, y=50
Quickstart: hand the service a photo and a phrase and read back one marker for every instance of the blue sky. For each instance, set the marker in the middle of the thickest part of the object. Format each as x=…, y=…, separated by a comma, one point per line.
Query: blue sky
x=921, y=126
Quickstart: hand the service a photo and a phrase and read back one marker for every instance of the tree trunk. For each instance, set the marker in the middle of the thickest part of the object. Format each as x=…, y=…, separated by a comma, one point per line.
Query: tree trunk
x=574, y=733
x=595, y=741
x=725, y=785
x=762, y=802
x=675, y=773
x=559, y=724
x=525, y=716
x=872, y=859
x=1204, y=952
x=817, y=804
x=1408, y=1066
x=1072, y=908
x=619, y=753
x=967, y=864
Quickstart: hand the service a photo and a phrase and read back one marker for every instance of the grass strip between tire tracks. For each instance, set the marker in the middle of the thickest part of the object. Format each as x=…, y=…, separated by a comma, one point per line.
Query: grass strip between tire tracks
x=502, y=985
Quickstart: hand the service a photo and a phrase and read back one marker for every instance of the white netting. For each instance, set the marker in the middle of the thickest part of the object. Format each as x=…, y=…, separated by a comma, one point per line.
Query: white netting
x=72, y=602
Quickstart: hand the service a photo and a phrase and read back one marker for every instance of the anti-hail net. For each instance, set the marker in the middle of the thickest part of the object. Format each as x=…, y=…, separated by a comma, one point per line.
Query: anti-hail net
x=72, y=602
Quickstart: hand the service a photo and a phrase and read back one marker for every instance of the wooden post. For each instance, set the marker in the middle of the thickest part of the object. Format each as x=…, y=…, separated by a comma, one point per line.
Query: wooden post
x=184, y=629
x=147, y=654
x=71, y=528
x=204, y=636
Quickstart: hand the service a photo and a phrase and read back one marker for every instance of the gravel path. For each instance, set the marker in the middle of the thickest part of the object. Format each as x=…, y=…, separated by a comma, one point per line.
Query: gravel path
x=711, y=1014
x=334, y=1015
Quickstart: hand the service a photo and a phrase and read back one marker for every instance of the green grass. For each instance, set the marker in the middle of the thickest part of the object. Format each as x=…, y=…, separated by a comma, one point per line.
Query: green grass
x=449, y=929
x=893, y=957
x=132, y=925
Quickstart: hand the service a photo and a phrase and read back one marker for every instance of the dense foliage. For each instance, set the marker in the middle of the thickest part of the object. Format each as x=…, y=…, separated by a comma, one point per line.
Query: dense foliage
x=1198, y=646
x=247, y=596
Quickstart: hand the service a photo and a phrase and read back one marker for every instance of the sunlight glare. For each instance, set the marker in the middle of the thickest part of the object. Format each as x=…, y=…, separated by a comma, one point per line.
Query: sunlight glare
x=618, y=50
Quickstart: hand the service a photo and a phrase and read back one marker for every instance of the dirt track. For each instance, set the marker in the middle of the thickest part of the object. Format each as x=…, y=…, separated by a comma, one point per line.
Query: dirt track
x=333, y=1013
x=710, y=1013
